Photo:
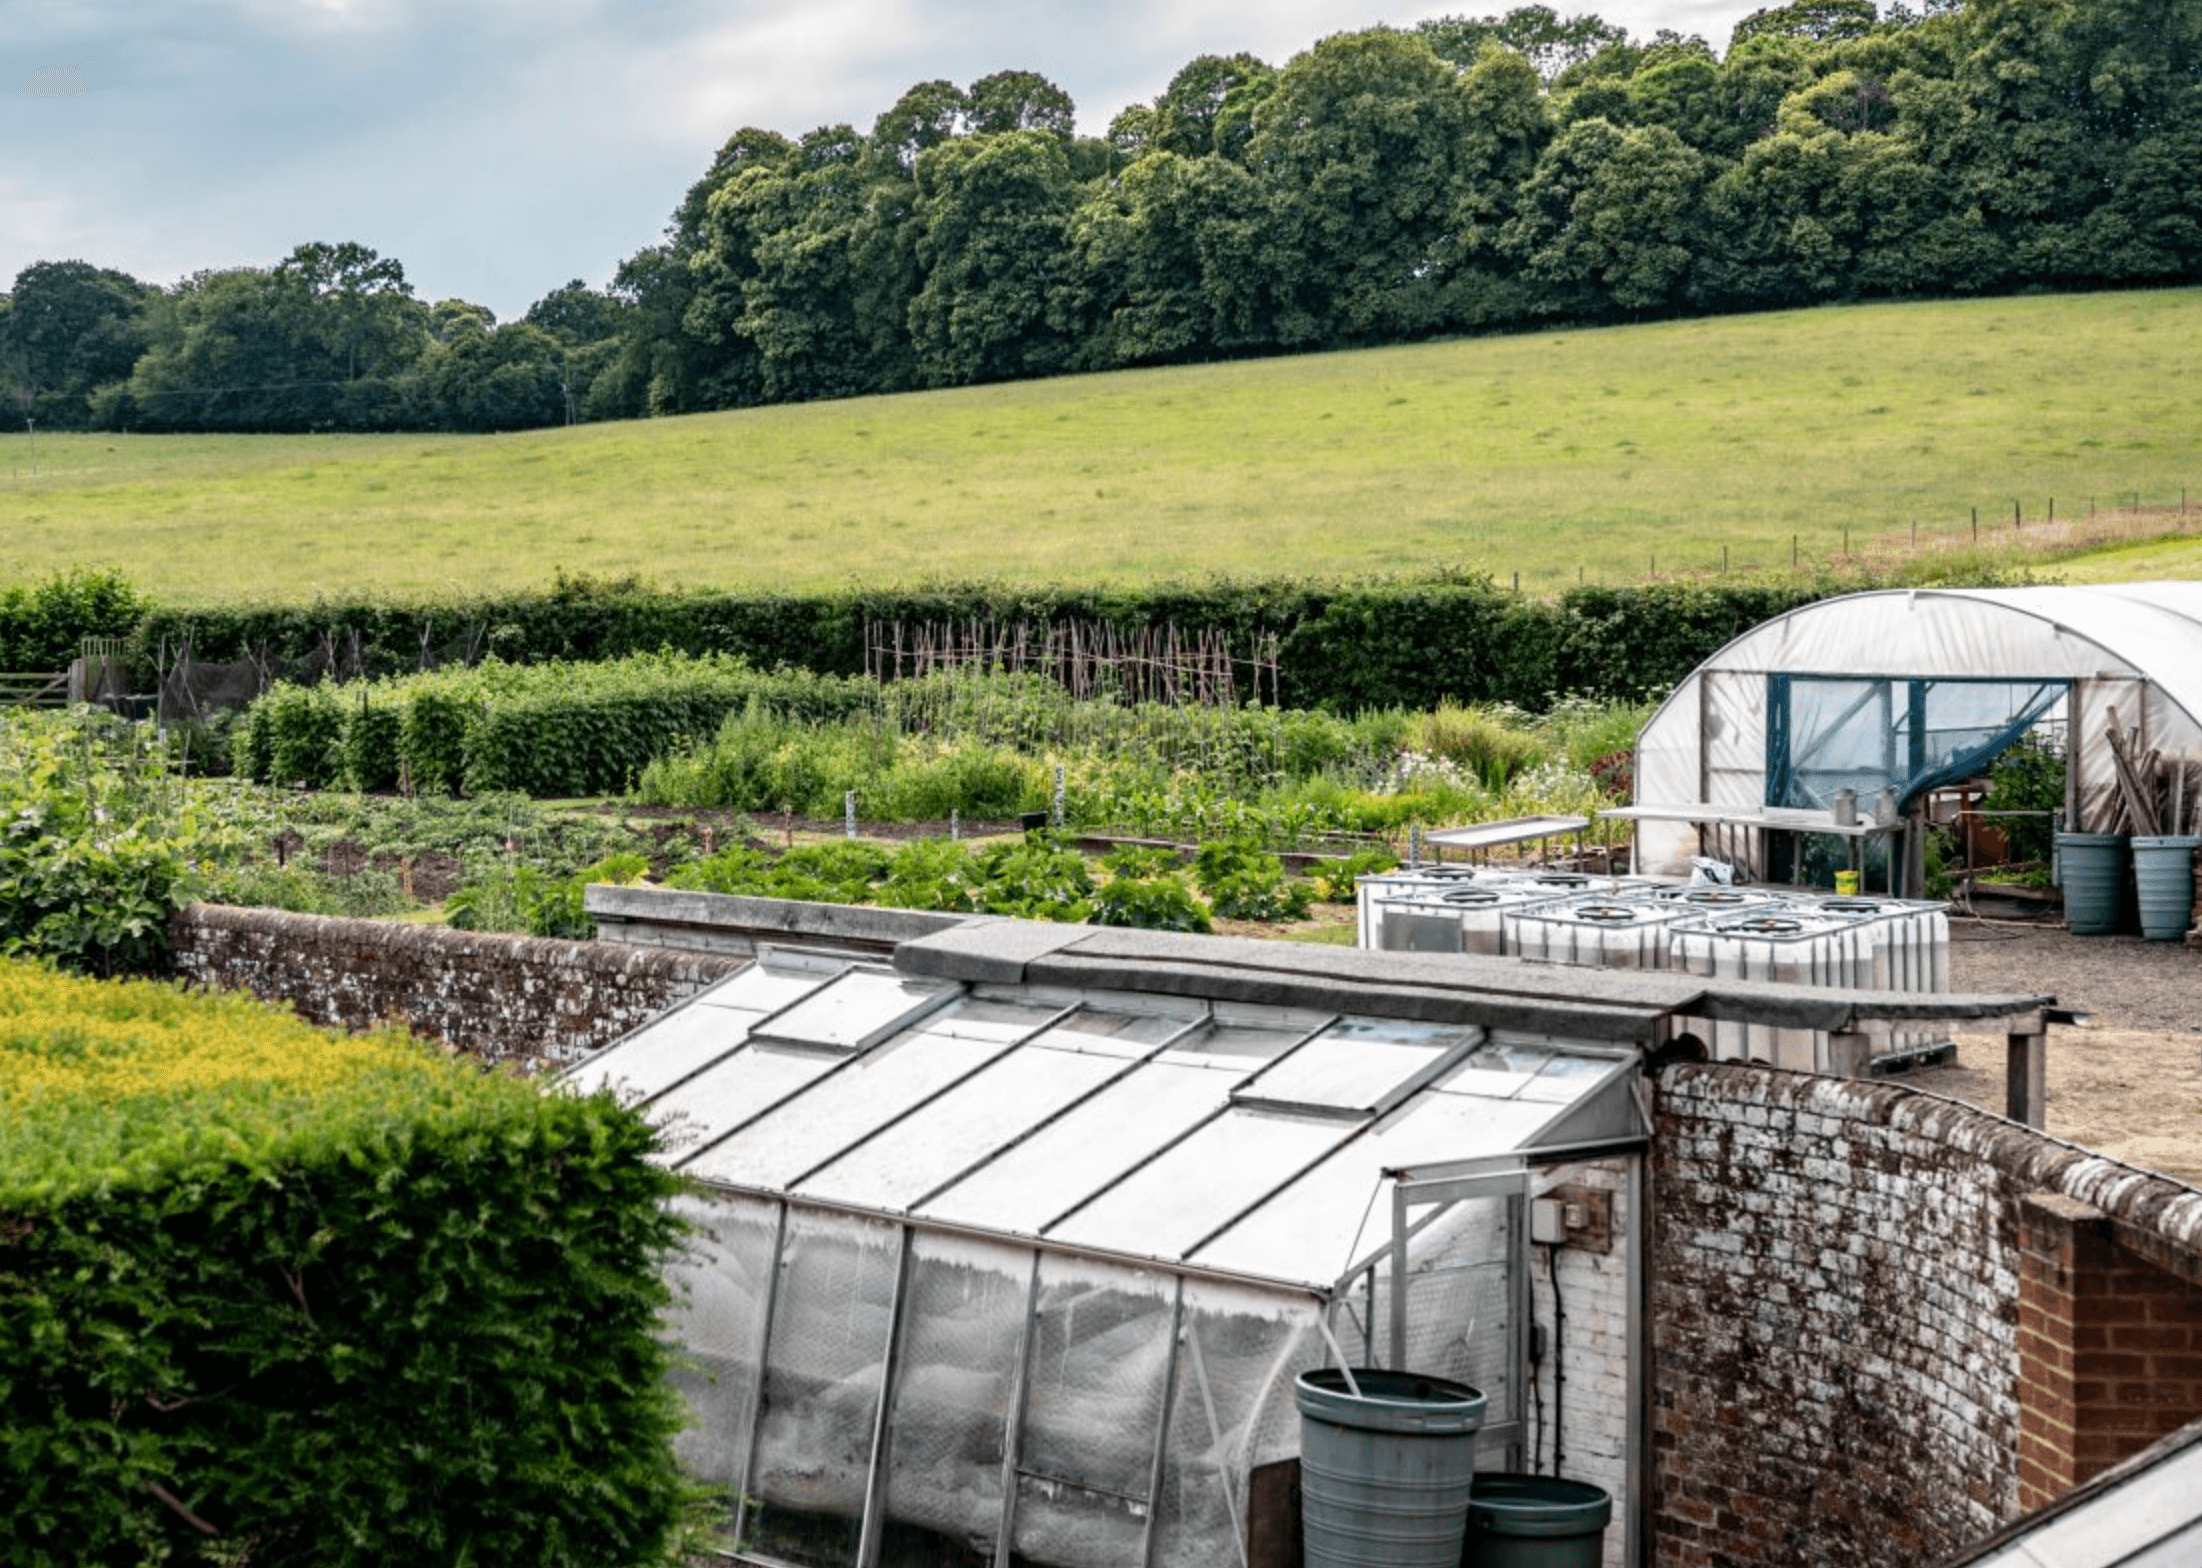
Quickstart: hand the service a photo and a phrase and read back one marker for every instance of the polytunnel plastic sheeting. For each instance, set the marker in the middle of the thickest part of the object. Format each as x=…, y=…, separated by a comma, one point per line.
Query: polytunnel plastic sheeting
x=1866, y=734
x=2131, y=643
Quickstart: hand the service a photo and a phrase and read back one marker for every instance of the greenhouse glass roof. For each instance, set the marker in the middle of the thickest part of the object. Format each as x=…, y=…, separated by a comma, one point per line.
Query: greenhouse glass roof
x=1206, y=1134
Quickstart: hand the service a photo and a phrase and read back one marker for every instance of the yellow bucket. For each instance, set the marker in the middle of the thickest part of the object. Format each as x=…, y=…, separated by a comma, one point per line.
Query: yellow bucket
x=1846, y=883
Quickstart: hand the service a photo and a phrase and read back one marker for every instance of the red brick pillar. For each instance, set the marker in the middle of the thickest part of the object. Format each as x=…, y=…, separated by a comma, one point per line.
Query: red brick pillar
x=2110, y=1348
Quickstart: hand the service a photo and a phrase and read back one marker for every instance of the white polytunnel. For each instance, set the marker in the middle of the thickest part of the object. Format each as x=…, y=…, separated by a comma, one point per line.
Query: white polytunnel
x=1009, y=1249
x=1900, y=690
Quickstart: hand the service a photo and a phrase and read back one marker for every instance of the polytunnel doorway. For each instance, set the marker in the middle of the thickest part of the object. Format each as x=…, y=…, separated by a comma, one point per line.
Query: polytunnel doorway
x=1884, y=744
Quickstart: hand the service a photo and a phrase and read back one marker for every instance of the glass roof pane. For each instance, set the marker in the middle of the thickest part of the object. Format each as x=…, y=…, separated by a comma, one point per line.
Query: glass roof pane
x=769, y=984
x=1566, y=1078
x=1024, y=1187
x=661, y=1054
x=1187, y=1191
x=1495, y=1071
x=733, y=1091
x=1122, y=1035
x=842, y=1110
x=1334, y=1216
x=963, y=1126
x=1249, y=1043
x=855, y=1008
x=1355, y=1063
x=979, y=1018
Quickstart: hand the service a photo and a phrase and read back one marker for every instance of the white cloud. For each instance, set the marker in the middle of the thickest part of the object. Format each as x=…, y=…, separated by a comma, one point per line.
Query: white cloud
x=500, y=147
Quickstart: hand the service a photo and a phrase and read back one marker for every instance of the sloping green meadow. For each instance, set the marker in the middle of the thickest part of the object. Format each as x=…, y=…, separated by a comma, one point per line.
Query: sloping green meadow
x=1600, y=453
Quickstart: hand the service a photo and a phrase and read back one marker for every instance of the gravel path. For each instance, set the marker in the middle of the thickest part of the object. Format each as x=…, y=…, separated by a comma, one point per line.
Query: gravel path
x=2124, y=982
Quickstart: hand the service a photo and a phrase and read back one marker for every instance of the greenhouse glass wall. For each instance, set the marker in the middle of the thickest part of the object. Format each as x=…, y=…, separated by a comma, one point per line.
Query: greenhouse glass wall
x=997, y=1270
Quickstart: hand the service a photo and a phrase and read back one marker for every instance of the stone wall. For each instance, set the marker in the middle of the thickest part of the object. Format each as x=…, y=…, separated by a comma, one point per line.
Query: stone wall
x=531, y=1000
x=1838, y=1370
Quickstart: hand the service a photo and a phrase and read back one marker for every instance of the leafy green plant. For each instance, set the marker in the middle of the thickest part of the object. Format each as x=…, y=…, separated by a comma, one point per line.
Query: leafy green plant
x=2029, y=780
x=1243, y=881
x=96, y=843
x=1151, y=903
x=521, y=898
x=1337, y=881
x=1039, y=877
x=931, y=874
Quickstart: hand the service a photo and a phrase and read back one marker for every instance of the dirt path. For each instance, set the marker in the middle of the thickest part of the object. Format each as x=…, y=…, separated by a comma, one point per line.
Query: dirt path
x=2131, y=1085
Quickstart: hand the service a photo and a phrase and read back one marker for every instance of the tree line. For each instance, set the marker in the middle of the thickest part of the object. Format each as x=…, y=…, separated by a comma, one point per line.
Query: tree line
x=1384, y=186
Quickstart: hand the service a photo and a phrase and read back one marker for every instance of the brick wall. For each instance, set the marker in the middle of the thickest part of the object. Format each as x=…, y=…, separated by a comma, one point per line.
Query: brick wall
x=2110, y=1348
x=1835, y=1313
x=505, y=998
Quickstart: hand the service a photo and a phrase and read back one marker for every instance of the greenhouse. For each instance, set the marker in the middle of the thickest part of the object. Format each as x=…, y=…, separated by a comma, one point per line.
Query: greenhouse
x=1014, y=1259
x=1881, y=698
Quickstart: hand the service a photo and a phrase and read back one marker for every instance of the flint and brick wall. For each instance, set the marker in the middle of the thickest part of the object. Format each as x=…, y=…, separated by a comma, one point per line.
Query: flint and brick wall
x=1839, y=1372
x=531, y=1000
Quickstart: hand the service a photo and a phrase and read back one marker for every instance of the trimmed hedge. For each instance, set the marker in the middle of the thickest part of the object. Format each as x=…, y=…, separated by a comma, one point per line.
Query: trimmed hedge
x=277, y=1296
x=1386, y=643
x=43, y=625
x=546, y=730
x=1390, y=642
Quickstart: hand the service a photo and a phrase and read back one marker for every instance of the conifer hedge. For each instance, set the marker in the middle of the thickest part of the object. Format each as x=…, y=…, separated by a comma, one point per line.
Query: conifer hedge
x=270, y=1296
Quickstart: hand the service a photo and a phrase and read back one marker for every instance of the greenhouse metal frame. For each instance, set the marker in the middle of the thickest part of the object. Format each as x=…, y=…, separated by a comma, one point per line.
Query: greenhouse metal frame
x=1021, y=1274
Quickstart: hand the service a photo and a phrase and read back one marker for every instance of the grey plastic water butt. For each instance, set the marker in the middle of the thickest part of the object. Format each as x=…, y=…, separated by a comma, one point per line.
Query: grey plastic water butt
x=2092, y=872
x=2163, y=879
x=1536, y=1521
x=1385, y=1472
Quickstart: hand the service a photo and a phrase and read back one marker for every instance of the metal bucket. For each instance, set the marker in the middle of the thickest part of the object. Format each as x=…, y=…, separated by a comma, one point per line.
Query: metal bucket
x=1385, y=1472
x=2163, y=880
x=2092, y=872
x=1536, y=1521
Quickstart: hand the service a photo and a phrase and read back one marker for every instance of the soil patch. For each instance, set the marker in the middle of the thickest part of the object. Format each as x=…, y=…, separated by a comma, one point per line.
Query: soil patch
x=2130, y=1085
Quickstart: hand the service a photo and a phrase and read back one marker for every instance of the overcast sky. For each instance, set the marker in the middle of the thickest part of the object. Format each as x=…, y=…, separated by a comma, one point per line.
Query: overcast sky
x=500, y=147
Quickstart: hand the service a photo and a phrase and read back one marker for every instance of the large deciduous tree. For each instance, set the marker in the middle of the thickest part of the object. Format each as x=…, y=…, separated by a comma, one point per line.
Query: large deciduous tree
x=992, y=217
x=71, y=328
x=1360, y=151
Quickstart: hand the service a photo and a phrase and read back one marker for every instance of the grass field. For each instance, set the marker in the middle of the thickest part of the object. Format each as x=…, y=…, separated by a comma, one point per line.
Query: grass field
x=1599, y=454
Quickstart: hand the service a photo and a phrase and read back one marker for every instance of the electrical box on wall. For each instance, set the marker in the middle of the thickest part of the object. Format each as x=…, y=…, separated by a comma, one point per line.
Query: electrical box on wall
x=1573, y=1217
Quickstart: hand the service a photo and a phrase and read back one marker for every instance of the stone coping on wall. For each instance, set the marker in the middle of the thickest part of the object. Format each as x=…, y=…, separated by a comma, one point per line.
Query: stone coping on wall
x=2158, y=1215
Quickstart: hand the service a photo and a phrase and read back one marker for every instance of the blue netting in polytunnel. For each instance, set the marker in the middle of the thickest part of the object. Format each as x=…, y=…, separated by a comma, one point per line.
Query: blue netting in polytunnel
x=1869, y=733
